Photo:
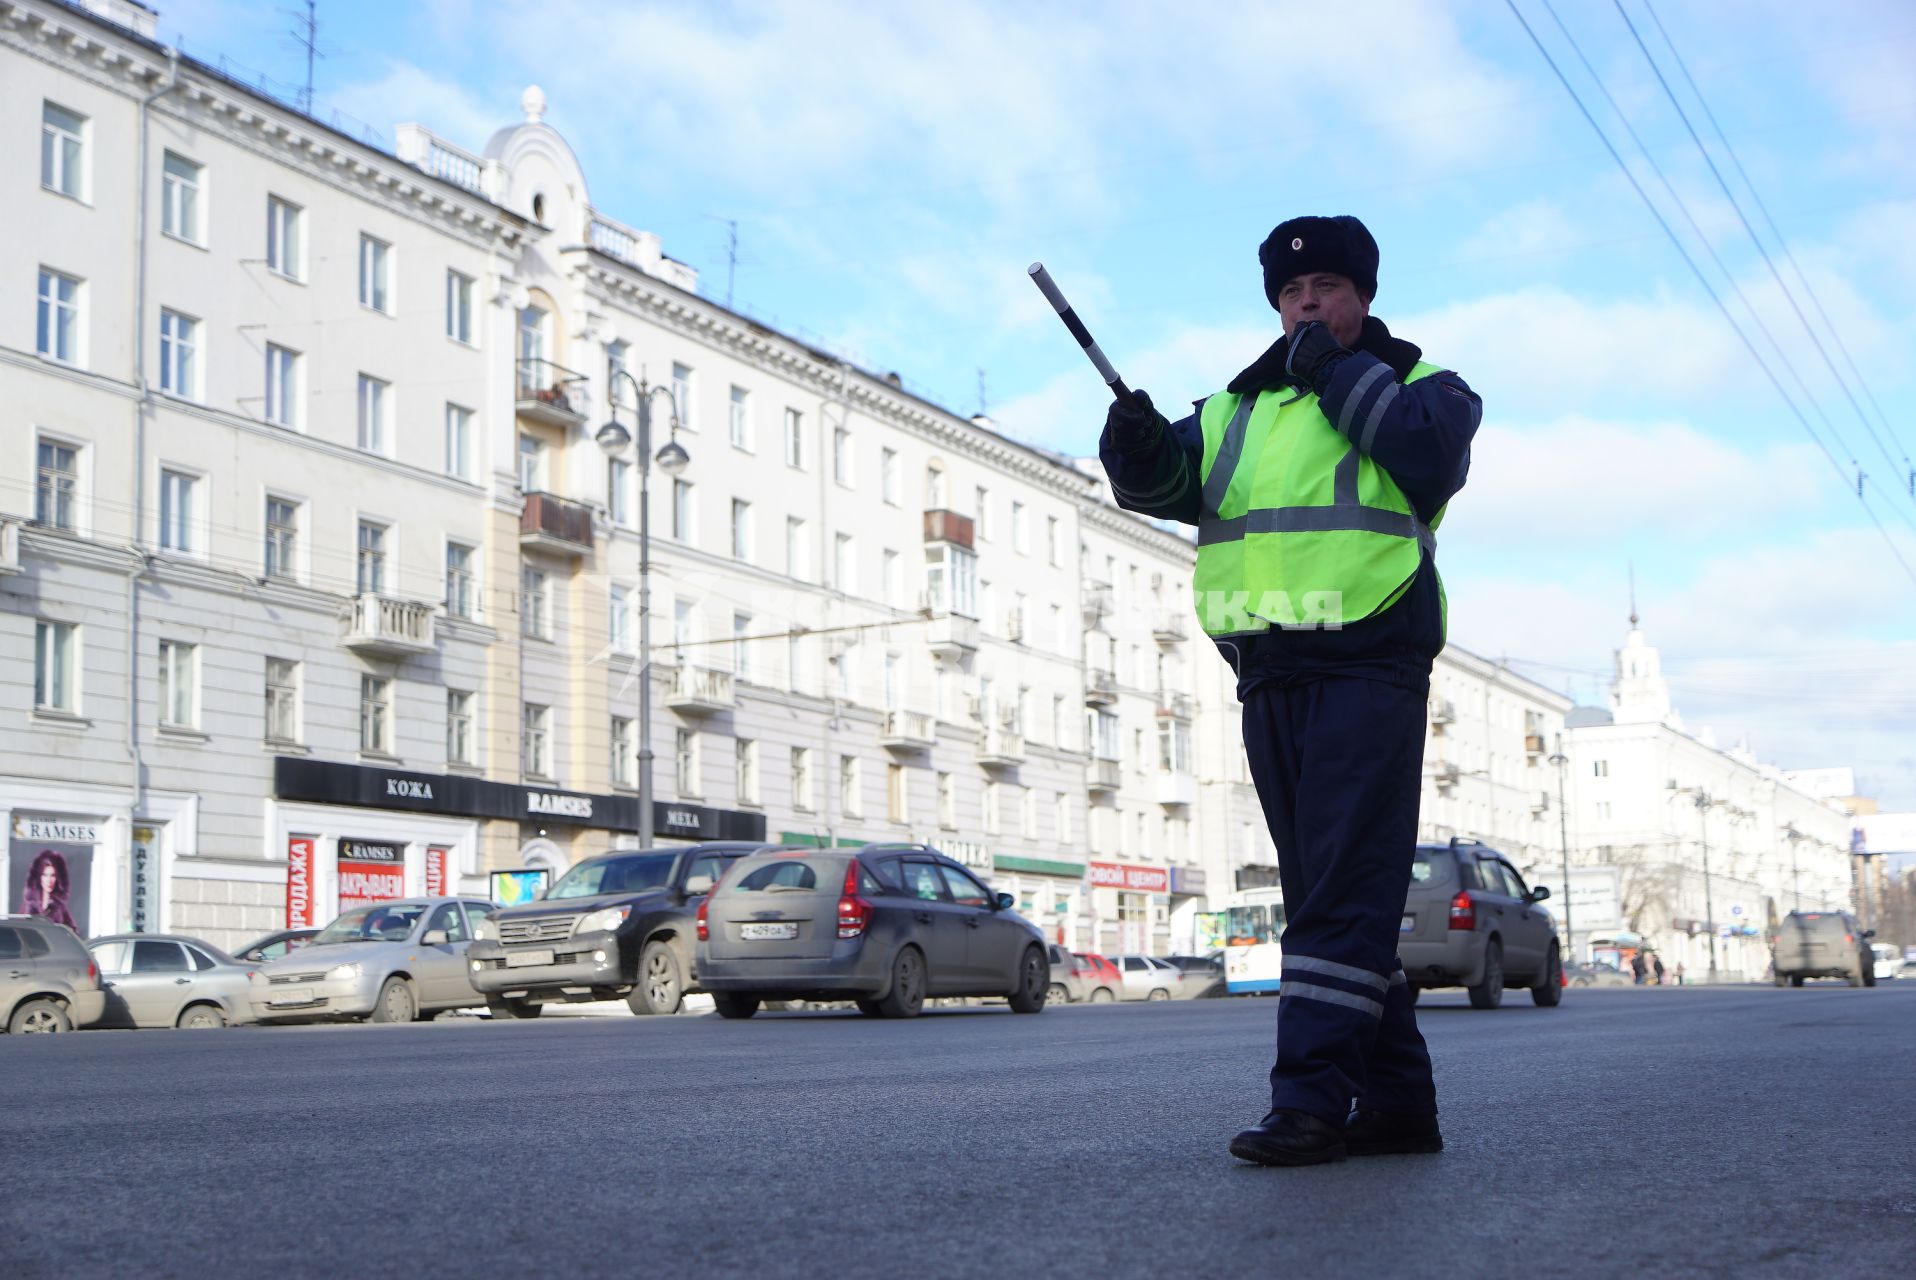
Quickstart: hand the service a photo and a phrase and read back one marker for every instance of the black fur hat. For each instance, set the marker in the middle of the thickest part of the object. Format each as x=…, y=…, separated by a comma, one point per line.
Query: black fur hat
x=1342, y=245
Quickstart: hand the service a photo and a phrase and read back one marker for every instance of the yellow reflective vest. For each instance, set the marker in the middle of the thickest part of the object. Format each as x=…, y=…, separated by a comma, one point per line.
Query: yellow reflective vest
x=1300, y=528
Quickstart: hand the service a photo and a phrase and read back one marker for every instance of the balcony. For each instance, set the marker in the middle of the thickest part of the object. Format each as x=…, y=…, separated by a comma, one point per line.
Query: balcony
x=1001, y=748
x=382, y=627
x=1442, y=712
x=552, y=524
x=701, y=691
x=948, y=526
x=1446, y=776
x=908, y=731
x=1171, y=626
x=551, y=394
x=9, y=545
x=1176, y=706
x=1100, y=688
x=951, y=635
x=1095, y=604
x=1177, y=788
x=1102, y=775
x=1533, y=744
x=1539, y=802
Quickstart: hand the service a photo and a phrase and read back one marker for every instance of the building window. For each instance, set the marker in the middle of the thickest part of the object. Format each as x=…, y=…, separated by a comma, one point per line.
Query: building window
x=374, y=405
x=285, y=252
x=625, y=765
x=741, y=529
x=282, y=539
x=842, y=456
x=375, y=260
x=537, y=722
x=993, y=817
x=459, y=727
x=618, y=488
x=893, y=571
x=795, y=663
x=802, y=779
x=1174, y=746
x=850, y=802
x=934, y=487
x=282, y=386
x=532, y=464
x=617, y=372
x=63, y=150
x=797, y=562
x=619, y=620
x=682, y=511
x=458, y=442
x=981, y=507
x=897, y=793
x=459, y=307
x=1062, y=807
x=888, y=475
x=282, y=700
x=947, y=802
x=1058, y=717
x=747, y=756
x=844, y=564
x=794, y=439
x=1019, y=541
x=370, y=568
x=685, y=754
x=180, y=198
x=57, y=331
x=179, y=693
x=178, y=519
x=460, y=589
x=536, y=616
x=684, y=628
x=741, y=420
x=55, y=677
x=375, y=715
x=741, y=650
x=56, y=484
x=951, y=580
x=179, y=355
x=682, y=393
x=891, y=692
x=532, y=350
x=1054, y=541
x=1601, y=769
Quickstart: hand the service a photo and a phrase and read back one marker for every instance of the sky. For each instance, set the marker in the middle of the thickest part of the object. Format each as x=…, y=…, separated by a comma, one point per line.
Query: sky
x=892, y=170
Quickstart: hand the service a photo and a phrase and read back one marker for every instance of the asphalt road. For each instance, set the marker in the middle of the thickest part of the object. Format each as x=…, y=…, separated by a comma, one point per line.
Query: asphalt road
x=1685, y=1131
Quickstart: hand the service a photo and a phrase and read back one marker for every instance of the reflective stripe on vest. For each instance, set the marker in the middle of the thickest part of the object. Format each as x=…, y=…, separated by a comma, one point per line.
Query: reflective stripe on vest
x=1299, y=526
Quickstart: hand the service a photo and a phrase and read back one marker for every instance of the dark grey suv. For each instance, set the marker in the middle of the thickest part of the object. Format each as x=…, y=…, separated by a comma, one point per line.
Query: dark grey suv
x=885, y=926
x=1470, y=921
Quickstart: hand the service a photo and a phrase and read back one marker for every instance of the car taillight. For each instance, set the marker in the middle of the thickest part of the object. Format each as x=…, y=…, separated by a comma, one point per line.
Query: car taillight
x=1463, y=912
x=1849, y=937
x=704, y=930
x=93, y=973
x=854, y=913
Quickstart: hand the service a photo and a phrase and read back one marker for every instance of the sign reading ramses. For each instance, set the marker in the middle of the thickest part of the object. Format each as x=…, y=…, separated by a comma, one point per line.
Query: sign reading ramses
x=1128, y=876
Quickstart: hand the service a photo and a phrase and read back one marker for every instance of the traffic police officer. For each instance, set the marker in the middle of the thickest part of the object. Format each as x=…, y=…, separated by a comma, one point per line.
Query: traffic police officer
x=1316, y=481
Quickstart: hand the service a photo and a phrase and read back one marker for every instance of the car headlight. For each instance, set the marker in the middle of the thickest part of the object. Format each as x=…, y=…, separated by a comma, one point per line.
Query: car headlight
x=602, y=921
x=485, y=931
x=339, y=972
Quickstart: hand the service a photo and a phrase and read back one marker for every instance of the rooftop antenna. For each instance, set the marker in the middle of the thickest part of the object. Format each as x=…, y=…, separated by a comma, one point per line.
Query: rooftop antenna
x=731, y=254
x=1633, y=594
x=981, y=393
x=306, y=36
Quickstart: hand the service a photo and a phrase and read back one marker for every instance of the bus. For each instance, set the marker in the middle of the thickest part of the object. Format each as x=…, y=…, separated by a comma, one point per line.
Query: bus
x=1253, y=923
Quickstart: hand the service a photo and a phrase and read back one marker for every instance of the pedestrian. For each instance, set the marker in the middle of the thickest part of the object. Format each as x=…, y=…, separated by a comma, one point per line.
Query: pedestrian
x=1638, y=967
x=1679, y=973
x=1315, y=480
x=1656, y=963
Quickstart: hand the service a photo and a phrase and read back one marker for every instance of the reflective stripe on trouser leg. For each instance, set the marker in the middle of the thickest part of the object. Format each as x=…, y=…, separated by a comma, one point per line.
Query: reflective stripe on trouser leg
x=1397, y=1073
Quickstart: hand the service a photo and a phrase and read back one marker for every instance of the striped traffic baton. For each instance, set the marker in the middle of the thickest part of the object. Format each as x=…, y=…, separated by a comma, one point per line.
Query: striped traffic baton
x=1042, y=278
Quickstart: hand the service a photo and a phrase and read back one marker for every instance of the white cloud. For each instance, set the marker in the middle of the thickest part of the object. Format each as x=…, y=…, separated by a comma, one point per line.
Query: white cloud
x=407, y=94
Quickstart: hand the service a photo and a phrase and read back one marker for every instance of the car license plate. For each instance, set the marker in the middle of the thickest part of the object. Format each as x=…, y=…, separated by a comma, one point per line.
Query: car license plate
x=1410, y=922
x=767, y=932
x=519, y=959
x=292, y=995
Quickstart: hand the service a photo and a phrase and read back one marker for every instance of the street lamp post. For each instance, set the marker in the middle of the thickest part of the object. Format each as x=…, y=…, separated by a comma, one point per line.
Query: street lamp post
x=1562, y=762
x=613, y=440
x=1703, y=803
x=1791, y=834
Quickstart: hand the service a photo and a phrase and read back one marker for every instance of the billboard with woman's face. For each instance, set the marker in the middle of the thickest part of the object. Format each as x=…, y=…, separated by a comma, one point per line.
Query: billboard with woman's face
x=54, y=880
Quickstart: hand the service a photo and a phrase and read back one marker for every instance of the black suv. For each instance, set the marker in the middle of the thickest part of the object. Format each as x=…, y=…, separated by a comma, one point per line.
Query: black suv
x=1470, y=921
x=616, y=925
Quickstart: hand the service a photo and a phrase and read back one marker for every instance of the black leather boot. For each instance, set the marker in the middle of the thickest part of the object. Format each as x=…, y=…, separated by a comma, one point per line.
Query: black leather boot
x=1380, y=1133
x=1290, y=1138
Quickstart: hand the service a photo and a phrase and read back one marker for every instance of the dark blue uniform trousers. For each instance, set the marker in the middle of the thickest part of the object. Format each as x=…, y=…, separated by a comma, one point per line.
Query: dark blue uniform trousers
x=1337, y=763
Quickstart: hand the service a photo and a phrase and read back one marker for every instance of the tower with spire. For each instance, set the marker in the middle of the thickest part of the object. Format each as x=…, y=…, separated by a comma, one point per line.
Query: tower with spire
x=1638, y=692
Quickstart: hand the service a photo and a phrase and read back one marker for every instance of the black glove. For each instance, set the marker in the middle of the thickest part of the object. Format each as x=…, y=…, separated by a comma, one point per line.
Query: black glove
x=1134, y=425
x=1314, y=354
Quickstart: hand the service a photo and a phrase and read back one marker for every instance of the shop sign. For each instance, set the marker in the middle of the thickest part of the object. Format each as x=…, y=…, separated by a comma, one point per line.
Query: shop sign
x=1187, y=880
x=50, y=870
x=436, y=858
x=370, y=871
x=967, y=853
x=27, y=826
x=299, y=882
x=1128, y=876
x=140, y=880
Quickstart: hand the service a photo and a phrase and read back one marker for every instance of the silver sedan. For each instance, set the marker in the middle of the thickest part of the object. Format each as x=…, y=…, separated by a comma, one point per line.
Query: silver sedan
x=383, y=962
x=166, y=980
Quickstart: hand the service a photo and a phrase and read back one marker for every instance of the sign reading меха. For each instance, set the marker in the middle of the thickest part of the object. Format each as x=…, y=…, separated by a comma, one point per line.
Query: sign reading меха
x=1128, y=876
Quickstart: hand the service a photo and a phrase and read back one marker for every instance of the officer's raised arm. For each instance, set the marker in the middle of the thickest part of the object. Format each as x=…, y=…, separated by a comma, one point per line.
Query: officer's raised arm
x=1152, y=463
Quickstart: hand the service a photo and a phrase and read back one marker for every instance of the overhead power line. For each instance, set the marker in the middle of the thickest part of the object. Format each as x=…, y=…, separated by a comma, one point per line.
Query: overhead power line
x=1703, y=280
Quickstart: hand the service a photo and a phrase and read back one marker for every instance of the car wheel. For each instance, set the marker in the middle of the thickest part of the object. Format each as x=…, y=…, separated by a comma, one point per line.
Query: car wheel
x=869, y=1008
x=1796, y=979
x=1034, y=983
x=907, y=994
x=1158, y=993
x=395, y=1003
x=39, y=1015
x=1550, y=994
x=1855, y=979
x=503, y=1007
x=730, y=1004
x=1782, y=980
x=1056, y=994
x=660, y=989
x=1869, y=975
x=1102, y=996
x=1489, y=993
x=201, y=1017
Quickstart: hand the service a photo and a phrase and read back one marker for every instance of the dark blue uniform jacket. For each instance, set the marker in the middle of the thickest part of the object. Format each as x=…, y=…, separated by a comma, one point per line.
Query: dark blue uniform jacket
x=1423, y=441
